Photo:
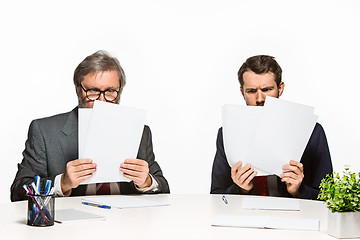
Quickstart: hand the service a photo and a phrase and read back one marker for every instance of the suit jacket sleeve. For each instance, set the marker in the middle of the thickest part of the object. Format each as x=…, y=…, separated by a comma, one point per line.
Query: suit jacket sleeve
x=146, y=153
x=221, y=181
x=33, y=163
x=317, y=163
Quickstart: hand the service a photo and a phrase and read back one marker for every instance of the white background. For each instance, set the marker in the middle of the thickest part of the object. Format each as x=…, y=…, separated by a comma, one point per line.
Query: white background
x=181, y=60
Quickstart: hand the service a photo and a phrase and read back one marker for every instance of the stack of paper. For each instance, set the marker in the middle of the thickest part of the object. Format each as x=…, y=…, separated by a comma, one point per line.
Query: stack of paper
x=123, y=201
x=267, y=137
x=270, y=203
x=266, y=222
x=74, y=215
x=108, y=134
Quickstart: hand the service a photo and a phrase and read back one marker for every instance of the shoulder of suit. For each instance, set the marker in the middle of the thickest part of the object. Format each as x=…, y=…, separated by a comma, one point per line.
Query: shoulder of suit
x=57, y=119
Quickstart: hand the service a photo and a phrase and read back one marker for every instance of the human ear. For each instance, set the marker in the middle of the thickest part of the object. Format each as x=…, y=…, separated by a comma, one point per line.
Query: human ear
x=281, y=88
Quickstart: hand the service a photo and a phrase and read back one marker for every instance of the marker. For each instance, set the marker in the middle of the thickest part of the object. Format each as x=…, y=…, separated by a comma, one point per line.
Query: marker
x=37, y=181
x=96, y=205
x=224, y=199
x=49, y=197
x=27, y=191
x=47, y=187
x=35, y=188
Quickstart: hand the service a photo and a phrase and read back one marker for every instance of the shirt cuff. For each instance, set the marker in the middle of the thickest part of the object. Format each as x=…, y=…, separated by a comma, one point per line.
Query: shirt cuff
x=57, y=187
x=153, y=188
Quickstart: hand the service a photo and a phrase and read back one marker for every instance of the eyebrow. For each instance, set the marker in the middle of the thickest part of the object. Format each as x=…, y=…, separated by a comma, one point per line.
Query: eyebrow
x=109, y=88
x=267, y=87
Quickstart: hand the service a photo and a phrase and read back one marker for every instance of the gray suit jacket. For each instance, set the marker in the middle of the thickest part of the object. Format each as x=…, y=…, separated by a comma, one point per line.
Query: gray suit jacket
x=53, y=141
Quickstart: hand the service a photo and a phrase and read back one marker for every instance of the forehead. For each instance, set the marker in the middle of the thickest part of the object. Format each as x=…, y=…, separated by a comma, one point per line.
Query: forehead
x=253, y=80
x=102, y=79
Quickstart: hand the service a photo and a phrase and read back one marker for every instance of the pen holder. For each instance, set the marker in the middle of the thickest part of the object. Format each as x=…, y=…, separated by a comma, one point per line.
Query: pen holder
x=41, y=209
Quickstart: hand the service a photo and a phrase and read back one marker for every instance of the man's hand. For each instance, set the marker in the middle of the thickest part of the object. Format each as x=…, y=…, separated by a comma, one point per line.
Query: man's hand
x=293, y=177
x=136, y=170
x=243, y=176
x=76, y=172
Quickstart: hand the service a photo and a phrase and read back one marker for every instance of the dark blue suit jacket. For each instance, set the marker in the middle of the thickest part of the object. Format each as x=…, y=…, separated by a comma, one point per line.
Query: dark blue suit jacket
x=316, y=160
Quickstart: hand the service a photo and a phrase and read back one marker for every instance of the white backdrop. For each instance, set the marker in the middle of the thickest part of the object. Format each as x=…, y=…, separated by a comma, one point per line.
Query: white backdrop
x=181, y=60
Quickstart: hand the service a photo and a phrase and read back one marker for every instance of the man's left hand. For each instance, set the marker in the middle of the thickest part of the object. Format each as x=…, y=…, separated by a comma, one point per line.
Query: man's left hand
x=136, y=170
x=293, y=177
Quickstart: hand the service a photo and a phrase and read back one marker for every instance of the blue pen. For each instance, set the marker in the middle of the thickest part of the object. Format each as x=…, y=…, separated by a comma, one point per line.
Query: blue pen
x=47, y=187
x=224, y=199
x=37, y=183
x=96, y=205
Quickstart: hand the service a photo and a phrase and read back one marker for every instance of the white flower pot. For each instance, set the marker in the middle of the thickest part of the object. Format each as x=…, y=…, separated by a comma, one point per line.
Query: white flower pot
x=344, y=224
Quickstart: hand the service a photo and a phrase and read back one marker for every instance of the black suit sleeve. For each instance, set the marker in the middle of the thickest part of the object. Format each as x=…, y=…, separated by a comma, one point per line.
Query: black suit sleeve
x=221, y=181
x=146, y=153
x=33, y=163
x=317, y=163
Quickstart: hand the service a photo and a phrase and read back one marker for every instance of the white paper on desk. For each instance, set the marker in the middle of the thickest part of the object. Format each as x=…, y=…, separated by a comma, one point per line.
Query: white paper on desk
x=271, y=203
x=114, y=134
x=281, y=135
x=123, y=201
x=74, y=215
x=266, y=222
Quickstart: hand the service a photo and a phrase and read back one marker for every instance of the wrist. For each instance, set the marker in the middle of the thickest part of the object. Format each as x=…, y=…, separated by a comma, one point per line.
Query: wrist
x=65, y=188
x=147, y=182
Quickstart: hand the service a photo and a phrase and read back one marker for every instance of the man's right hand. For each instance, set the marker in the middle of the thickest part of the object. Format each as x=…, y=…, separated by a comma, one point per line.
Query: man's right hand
x=243, y=176
x=76, y=172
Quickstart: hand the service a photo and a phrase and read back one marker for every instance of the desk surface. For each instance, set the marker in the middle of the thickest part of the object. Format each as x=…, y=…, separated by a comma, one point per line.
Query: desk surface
x=187, y=217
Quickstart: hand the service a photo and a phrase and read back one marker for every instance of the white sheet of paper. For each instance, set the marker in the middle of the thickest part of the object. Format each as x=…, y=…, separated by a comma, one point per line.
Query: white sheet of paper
x=266, y=222
x=281, y=135
x=123, y=201
x=270, y=203
x=239, y=125
x=114, y=134
x=84, y=116
x=74, y=215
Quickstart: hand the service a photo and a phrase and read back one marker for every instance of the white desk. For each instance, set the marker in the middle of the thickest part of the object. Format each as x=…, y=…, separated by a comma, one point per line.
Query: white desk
x=187, y=217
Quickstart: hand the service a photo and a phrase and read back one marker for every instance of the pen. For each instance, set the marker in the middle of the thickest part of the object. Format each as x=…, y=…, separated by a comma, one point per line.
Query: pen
x=96, y=205
x=35, y=188
x=27, y=191
x=224, y=199
x=38, y=206
x=47, y=187
x=47, y=199
x=37, y=183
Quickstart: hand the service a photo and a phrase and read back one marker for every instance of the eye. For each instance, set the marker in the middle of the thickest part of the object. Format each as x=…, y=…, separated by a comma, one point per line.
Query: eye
x=251, y=90
x=267, y=89
x=93, y=90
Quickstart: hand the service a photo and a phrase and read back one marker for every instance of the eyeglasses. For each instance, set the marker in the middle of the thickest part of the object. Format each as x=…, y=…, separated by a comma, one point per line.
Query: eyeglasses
x=93, y=94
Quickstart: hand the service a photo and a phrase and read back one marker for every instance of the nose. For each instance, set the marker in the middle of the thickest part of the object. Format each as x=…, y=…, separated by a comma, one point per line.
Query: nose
x=102, y=97
x=260, y=98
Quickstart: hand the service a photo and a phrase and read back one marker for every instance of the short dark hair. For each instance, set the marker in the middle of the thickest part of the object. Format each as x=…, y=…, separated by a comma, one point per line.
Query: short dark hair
x=260, y=64
x=99, y=61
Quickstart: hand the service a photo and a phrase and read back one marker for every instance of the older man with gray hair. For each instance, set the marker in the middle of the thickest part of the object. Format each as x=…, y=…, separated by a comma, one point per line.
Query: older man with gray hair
x=51, y=150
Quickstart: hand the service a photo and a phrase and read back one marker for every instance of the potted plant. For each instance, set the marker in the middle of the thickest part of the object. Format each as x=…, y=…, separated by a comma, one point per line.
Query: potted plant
x=342, y=197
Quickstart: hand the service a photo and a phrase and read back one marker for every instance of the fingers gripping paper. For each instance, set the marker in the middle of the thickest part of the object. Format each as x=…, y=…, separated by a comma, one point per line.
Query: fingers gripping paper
x=267, y=137
x=109, y=134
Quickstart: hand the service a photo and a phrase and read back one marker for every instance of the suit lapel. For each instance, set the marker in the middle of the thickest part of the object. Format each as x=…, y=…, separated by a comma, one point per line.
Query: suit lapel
x=69, y=145
x=69, y=137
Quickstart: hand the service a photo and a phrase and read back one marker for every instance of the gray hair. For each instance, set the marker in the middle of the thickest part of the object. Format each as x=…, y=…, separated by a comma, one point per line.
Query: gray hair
x=99, y=61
